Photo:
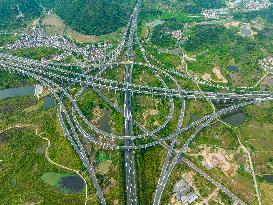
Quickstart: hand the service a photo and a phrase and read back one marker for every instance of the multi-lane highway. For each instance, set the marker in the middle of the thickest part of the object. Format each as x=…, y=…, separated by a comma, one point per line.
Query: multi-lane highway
x=75, y=125
x=129, y=160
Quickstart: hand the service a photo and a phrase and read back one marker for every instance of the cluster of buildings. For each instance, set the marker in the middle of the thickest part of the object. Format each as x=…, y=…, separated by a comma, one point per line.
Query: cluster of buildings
x=179, y=35
x=245, y=30
x=210, y=14
x=184, y=193
x=250, y=5
x=256, y=5
x=214, y=13
x=39, y=89
x=267, y=63
x=37, y=38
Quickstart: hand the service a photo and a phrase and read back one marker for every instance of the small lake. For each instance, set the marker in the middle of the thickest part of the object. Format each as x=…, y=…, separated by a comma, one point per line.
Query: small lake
x=17, y=92
x=65, y=183
x=72, y=184
x=268, y=178
x=233, y=68
x=234, y=118
x=49, y=102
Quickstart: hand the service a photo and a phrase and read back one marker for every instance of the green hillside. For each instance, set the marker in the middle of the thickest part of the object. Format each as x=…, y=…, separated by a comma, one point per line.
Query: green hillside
x=85, y=16
x=9, y=13
x=92, y=16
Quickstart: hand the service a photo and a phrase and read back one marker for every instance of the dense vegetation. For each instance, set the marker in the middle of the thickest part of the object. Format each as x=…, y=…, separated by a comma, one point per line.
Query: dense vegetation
x=36, y=53
x=196, y=6
x=203, y=36
x=10, y=80
x=219, y=46
x=22, y=153
x=161, y=37
x=9, y=14
x=92, y=16
x=85, y=16
x=7, y=39
x=249, y=16
x=186, y=6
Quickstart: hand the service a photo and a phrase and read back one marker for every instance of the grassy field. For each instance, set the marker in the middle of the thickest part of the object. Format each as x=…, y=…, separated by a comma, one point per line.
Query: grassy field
x=36, y=53
x=10, y=80
x=182, y=17
x=266, y=192
x=22, y=168
x=6, y=39
x=23, y=161
x=148, y=164
x=257, y=135
x=52, y=178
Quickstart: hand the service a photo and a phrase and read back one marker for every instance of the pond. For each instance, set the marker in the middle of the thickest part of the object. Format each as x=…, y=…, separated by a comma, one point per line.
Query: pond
x=49, y=102
x=268, y=178
x=234, y=118
x=25, y=91
x=232, y=68
x=17, y=92
x=72, y=184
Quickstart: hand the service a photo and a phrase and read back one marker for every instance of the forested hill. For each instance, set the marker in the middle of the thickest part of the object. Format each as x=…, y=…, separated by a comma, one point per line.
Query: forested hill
x=10, y=12
x=85, y=16
x=92, y=16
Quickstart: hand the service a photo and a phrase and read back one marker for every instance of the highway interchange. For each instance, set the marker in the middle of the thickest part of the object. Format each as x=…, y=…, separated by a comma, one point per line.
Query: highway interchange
x=53, y=76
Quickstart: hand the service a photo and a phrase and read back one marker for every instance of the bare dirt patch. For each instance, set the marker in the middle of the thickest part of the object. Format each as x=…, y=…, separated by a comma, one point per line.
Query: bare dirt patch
x=147, y=113
x=218, y=158
x=267, y=193
x=235, y=78
x=81, y=37
x=268, y=81
x=189, y=177
x=53, y=20
x=98, y=113
x=232, y=24
x=211, y=197
x=217, y=72
x=206, y=77
x=156, y=123
x=53, y=24
x=104, y=166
